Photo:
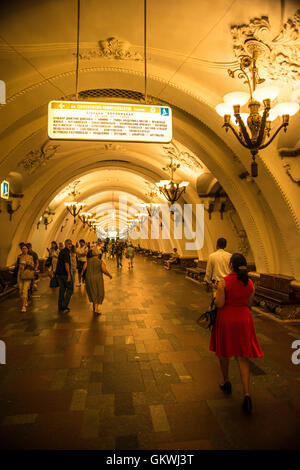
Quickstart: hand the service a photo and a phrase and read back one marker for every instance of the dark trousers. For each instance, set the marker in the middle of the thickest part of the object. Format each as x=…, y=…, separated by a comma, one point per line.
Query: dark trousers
x=119, y=260
x=65, y=291
x=80, y=265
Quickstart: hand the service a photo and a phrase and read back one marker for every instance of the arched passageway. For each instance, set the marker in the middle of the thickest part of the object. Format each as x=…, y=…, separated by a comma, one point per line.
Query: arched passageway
x=150, y=326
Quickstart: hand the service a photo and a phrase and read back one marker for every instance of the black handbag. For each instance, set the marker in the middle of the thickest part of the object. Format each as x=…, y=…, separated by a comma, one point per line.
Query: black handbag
x=48, y=262
x=209, y=317
x=54, y=282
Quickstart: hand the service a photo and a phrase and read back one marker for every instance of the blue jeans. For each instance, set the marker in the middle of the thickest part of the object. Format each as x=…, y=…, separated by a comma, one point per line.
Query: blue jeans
x=65, y=291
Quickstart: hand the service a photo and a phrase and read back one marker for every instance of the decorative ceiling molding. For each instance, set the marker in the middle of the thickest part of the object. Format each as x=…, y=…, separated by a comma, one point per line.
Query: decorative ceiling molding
x=183, y=158
x=37, y=158
x=291, y=164
x=243, y=243
x=112, y=48
x=289, y=152
x=292, y=171
x=114, y=148
x=280, y=55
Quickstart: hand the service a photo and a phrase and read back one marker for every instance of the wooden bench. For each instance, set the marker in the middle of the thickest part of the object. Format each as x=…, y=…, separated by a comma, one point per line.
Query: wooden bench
x=277, y=294
x=197, y=273
x=8, y=282
x=157, y=256
x=182, y=263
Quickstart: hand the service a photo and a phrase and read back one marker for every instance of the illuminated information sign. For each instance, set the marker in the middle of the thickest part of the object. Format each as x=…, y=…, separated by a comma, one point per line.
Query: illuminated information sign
x=78, y=120
x=5, y=189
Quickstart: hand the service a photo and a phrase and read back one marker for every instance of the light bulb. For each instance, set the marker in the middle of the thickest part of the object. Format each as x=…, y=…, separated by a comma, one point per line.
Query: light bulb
x=162, y=183
x=266, y=92
x=183, y=183
x=287, y=108
x=224, y=109
x=236, y=97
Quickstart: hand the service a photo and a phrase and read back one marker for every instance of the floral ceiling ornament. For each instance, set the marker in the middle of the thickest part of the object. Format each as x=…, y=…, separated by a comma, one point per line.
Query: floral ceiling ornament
x=152, y=191
x=114, y=147
x=72, y=189
x=182, y=158
x=280, y=58
x=112, y=48
x=37, y=158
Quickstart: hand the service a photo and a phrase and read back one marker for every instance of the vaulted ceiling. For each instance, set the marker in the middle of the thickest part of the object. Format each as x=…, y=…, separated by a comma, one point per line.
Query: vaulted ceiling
x=190, y=46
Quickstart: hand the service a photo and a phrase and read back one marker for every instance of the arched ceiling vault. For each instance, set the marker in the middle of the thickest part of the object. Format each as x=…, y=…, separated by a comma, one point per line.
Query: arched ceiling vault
x=187, y=69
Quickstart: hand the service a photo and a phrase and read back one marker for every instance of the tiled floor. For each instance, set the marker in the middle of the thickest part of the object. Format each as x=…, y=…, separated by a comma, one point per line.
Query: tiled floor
x=141, y=375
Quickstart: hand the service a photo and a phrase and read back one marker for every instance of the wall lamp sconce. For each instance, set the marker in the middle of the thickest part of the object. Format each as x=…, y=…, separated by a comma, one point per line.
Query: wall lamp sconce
x=44, y=219
x=9, y=208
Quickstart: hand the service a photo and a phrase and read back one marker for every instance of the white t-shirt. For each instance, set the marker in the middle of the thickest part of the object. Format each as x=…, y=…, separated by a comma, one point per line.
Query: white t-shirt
x=217, y=265
x=81, y=253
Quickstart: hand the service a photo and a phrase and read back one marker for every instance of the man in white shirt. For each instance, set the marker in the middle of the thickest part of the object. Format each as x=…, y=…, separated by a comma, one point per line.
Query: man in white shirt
x=218, y=263
x=81, y=253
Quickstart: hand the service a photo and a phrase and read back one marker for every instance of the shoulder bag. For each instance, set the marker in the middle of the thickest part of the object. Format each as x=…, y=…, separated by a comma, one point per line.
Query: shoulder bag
x=209, y=317
x=27, y=274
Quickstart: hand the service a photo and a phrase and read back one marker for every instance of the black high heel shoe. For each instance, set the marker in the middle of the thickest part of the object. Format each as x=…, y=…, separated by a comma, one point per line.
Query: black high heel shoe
x=226, y=387
x=247, y=405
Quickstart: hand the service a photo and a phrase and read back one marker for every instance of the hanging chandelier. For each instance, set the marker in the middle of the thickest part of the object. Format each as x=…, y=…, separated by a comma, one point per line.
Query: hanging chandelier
x=253, y=128
x=171, y=190
x=151, y=207
x=84, y=216
x=91, y=222
x=74, y=208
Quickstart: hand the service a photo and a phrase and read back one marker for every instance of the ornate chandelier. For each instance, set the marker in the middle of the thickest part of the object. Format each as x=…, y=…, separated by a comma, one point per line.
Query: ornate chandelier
x=74, y=208
x=91, y=222
x=171, y=190
x=254, y=128
x=152, y=208
x=84, y=216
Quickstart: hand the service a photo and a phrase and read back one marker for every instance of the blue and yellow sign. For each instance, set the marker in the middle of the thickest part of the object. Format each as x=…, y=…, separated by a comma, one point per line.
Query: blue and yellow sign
x=5, y=189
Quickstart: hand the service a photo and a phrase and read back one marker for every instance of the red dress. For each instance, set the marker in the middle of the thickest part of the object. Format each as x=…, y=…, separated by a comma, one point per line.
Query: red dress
x=233, y=333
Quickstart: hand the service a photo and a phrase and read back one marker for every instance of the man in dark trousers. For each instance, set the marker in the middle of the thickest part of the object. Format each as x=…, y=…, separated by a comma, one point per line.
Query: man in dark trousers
x=63, y=275
x=119, y=253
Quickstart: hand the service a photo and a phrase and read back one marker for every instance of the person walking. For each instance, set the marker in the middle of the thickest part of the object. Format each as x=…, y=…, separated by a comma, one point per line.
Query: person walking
x=217, y=264
x=33, y=283
x=130, y=255
x=81, y=251
x=64, y=279
x=53, y=254
x=73, y=259
x=94, y=284
x=233, y=334
x=119, y=254
x=25, y=275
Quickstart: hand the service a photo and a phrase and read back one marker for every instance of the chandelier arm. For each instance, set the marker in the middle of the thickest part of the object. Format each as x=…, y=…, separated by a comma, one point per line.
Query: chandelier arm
x=262, y=128
x=168, y=197
x=244, y=131
x=175, y=198
x=245, y=75
x=237, y=136
x=273, y=137
x=182, y=191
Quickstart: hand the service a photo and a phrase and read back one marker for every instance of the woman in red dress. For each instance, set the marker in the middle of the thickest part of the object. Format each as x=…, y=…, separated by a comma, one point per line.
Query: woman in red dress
x=233, y=333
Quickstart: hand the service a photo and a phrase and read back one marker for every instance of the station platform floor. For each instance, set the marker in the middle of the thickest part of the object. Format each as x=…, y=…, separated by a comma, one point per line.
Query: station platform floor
x=140, y=376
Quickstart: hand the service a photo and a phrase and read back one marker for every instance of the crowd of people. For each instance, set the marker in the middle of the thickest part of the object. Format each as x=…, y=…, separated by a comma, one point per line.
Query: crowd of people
x=232, y=335
x=67, y=261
